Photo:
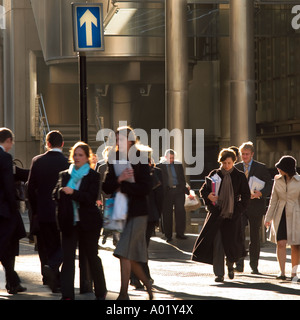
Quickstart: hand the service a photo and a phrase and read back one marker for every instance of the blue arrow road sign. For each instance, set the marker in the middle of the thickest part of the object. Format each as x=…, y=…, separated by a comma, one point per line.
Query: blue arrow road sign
x=88, y=27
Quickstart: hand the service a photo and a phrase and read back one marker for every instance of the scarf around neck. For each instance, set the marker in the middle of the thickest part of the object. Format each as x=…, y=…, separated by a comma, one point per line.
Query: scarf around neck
x=226, y=195
x=77, y=174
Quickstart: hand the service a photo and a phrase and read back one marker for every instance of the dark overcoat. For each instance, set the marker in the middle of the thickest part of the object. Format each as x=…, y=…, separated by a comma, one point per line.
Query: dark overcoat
x=89, y=214
x=230, y=228
x=11, y=224
x=258, y=207
x=137, y=192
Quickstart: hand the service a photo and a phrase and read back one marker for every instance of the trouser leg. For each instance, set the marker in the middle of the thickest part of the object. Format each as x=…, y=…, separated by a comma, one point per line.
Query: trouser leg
x=180, y=214
x=69, y=244
x=218, y=255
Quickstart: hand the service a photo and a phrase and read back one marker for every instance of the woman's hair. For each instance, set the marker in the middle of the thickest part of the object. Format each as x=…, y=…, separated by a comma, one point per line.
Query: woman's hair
x=128, y=132
x=85, y=147
x=226, y=153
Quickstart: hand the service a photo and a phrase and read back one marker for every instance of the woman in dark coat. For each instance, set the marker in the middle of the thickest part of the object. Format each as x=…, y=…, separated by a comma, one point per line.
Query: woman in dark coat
x=135, y=182
x=221, y=232
x=79, y=220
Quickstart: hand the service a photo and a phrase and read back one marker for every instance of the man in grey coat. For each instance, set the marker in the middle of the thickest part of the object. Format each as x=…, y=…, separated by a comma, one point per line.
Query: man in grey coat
x=257, y=206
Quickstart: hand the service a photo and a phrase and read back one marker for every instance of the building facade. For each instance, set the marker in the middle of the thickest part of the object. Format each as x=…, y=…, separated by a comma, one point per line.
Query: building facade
x=228, y=67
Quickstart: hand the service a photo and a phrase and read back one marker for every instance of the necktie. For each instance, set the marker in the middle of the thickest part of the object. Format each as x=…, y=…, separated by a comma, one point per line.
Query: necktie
x=170, y=176
x=246, y=170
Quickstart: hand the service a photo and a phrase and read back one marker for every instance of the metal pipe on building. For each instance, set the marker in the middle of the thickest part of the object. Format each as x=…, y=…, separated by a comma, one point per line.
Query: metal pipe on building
x=176, y=67
x=242, y=85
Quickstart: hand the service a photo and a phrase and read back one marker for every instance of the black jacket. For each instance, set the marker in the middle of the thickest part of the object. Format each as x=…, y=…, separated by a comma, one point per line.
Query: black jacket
x=258, y=207
x=230, y=228
x=180, y=176
x=86, y=196
x=137, y=192
x=8, y=203
x=11, y=224
x=42, y=180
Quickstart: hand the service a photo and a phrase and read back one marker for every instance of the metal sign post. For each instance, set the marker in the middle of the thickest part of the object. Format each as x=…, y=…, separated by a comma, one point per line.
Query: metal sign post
x=83, y=98
x=88, y=36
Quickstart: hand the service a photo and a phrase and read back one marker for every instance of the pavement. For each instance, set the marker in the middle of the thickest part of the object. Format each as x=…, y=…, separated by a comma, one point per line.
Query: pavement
x=176, y=277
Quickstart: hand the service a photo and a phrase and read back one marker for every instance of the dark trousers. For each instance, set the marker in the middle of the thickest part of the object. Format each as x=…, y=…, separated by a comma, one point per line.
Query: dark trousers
x=174, y=198
x=49, y=246
x=88, y=243
x=219, y=255
x=12, y=278
x=9, y=247
x=254, y=245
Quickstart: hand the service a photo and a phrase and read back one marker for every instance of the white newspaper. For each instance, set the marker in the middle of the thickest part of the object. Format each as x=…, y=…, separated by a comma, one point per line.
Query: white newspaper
x=120, y=166
x=256, y=184
x=217, y=180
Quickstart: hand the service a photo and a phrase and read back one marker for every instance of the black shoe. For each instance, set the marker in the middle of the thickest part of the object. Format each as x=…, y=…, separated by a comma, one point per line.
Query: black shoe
x=101, y=297
x=16, y=289
x=219, y=279
x=50, y=279
x=281, y=277
x=239, y=269
x=183, y=237
x=255, y=271
x=136, y=283
x=231, y=274
x=169, y=239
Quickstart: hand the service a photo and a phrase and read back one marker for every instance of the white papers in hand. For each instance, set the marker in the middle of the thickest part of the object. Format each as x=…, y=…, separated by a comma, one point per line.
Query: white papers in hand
x=256, y=184
x=217, y=182
x=120, y=166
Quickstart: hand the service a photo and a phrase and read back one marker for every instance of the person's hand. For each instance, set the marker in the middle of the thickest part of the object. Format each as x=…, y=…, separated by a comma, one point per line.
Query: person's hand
x=67, y=190
x=99, y=203
x=256, y=194
x=212, y=197
x=267, y=224
x=126, y=175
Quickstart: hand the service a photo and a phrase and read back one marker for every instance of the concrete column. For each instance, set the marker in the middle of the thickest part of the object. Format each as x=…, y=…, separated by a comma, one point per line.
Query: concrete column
x=176, y=67
x=121, y=105
x=242, y=89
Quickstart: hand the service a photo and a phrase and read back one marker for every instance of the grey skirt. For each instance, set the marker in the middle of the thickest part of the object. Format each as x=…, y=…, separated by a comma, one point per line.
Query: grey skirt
x=132, y=244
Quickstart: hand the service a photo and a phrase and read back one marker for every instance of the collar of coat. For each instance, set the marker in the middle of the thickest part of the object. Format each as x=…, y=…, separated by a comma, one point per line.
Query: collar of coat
x=279, y=176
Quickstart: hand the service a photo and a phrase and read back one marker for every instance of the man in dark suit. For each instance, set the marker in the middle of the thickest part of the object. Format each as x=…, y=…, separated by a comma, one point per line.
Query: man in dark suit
x=11, y=224
x=257, y=206
x=174, y=195
x=42, y=180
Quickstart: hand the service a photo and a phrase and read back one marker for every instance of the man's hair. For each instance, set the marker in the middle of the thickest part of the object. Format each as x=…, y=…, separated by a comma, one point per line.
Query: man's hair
x=247, y=145
x=55, y=139
x=5, y=134
x=171, y=152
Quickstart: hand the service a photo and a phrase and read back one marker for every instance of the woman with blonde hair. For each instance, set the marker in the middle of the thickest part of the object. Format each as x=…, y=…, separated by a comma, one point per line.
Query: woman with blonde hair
x=79, y=219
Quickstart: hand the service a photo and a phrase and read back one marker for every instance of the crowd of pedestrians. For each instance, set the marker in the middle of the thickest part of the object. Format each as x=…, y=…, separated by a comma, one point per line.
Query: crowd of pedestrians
x=66, y=202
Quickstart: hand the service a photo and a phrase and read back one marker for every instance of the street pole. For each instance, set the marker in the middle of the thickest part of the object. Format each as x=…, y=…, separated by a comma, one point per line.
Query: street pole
x=83, y=98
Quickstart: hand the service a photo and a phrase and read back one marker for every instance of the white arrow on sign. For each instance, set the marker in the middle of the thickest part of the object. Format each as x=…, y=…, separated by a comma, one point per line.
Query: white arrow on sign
x=88, y=18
